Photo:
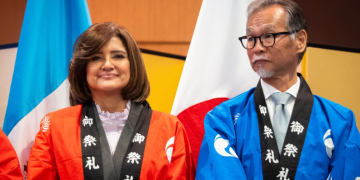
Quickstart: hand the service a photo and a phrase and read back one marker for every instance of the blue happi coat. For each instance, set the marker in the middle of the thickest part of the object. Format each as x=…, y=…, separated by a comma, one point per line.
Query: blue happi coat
x=239, y=141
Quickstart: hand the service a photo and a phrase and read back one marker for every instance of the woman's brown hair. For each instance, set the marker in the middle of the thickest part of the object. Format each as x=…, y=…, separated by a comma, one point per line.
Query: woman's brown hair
x=89, y=43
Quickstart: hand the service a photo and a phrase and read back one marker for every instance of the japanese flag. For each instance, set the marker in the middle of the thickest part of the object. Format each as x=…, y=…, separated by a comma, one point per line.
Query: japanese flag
x=216, y=68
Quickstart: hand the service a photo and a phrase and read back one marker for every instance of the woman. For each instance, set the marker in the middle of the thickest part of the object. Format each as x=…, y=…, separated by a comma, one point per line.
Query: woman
x=110, y=132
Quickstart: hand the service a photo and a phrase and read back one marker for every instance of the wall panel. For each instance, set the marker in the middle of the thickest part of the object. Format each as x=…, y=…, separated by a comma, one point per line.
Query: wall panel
x=334, y=75
x=164, y=75
x=11, y=17
x=158, y=25
x=333, y=22
x=7, y=62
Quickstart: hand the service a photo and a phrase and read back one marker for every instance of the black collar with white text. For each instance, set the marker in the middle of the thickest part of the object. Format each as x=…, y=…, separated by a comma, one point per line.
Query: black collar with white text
x=128, y=157
x=275, y=165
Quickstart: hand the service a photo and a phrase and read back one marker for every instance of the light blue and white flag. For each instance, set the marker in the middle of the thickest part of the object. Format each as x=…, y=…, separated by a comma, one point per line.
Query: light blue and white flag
x=39, y=84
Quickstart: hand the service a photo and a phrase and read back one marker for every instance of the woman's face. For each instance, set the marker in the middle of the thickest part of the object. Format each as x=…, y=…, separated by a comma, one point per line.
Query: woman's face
x=108, y=71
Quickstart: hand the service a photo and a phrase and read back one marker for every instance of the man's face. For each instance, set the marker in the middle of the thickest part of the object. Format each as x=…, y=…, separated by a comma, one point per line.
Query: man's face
x=280, y=59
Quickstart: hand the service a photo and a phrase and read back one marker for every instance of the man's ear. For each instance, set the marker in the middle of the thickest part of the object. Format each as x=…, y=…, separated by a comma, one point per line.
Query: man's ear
x=301, y=40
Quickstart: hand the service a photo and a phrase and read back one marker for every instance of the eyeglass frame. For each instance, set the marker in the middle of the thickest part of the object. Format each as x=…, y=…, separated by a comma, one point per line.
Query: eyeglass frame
x=259, y=37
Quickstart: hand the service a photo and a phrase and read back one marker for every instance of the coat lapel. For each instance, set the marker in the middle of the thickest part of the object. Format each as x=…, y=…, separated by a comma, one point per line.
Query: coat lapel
x=90, y=145
x=125, y=138
x=97, y=160
x=275, y=165
x=108, y=166
x=131, y=166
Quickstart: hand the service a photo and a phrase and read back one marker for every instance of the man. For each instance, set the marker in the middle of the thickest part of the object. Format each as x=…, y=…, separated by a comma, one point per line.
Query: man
x=278, y=130
x=9, y=162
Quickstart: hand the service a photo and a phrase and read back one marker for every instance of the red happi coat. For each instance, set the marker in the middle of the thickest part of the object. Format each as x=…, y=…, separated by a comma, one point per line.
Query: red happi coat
x=9, y=162
x=56, y=153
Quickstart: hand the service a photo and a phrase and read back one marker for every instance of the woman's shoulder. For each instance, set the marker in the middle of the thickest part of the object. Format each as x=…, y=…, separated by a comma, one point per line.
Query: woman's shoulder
x=60, y=119
x=165, y=116
x=162, y=119
x=72, y=111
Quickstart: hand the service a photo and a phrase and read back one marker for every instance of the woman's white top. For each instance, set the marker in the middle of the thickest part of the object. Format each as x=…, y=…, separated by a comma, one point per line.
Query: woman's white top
x=113, y=124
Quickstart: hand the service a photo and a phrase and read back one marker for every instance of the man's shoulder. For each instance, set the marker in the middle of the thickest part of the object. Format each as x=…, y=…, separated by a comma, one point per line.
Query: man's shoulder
x=243, y=97
x=240, y=99
x=236, y=103
x=329, y=106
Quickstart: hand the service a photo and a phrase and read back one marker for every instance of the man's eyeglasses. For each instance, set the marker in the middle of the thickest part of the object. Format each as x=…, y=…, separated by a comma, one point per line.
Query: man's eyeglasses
x=266, y=39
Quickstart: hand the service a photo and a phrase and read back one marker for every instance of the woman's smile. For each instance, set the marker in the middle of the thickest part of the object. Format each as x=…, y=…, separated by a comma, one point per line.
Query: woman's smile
x=108, y=75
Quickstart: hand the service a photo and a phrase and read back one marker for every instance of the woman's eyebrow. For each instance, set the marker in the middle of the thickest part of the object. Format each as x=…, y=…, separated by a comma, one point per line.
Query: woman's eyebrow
x=118, y=51
x=97, y=53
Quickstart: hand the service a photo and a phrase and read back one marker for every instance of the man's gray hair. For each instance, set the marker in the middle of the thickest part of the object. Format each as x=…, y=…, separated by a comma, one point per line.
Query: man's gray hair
x=295, y=20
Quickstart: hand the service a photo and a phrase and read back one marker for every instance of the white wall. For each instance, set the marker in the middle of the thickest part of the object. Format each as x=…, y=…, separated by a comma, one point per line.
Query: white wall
x=7, y=62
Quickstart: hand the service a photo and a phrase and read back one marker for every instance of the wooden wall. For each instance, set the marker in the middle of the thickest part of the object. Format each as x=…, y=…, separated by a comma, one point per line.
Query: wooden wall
x=332, y=22
x=158, y=25
x=165, y=26
x=11, y=17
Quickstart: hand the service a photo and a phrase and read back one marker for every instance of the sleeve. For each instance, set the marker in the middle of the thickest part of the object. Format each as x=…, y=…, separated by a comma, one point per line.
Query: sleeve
x=181, y=163
x=41, y=164
x=347, y=164
x=9, y=162
x=218, y=159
